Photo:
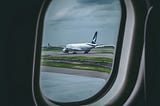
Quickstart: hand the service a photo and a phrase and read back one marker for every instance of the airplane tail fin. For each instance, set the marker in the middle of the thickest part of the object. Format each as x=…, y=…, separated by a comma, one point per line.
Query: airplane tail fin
x=94, y=38
x=49, y=46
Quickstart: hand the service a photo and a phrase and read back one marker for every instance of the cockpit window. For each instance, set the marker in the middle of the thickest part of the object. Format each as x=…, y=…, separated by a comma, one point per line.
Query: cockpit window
x=78, y=48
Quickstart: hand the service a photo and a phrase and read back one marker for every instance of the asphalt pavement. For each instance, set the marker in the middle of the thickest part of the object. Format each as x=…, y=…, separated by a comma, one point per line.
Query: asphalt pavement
x=71, y=85
x=88, y=73
x=69, y=88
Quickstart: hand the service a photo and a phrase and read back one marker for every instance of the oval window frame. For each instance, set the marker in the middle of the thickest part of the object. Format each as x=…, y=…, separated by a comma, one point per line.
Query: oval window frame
x=37, y=94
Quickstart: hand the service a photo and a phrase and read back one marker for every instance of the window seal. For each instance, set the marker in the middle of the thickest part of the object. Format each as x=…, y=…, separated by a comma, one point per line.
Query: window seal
x=37, y=94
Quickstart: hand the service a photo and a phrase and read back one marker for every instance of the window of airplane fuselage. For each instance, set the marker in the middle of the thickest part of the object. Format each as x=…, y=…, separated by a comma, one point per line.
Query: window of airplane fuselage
x=79, y=41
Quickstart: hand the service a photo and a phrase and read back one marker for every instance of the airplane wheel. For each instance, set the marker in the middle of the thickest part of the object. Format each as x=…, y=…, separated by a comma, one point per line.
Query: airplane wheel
x=66, y=51
x=86, y=52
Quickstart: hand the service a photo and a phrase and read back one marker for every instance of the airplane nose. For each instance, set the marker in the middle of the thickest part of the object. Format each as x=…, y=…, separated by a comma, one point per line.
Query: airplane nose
x=64, y=50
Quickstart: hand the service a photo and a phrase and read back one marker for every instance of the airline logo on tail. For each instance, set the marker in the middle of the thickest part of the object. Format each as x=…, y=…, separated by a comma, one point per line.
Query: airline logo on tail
x=94, y=38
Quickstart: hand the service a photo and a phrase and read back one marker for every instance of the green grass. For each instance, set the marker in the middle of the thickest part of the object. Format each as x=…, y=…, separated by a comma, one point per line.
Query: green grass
x=79, y=58
x=76, y=66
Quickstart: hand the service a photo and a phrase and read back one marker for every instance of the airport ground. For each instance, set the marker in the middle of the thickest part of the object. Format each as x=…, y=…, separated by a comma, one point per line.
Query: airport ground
x=98, y=52
x=64, y=84
x=69, y=88
x=98, y=59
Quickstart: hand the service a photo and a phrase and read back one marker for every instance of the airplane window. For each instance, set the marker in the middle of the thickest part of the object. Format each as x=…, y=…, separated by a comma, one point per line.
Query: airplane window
x=78, y=48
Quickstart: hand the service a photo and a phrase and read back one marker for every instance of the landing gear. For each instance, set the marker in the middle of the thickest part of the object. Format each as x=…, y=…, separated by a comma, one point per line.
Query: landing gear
x=65, y=50
x=86, y=51
x=74, y=52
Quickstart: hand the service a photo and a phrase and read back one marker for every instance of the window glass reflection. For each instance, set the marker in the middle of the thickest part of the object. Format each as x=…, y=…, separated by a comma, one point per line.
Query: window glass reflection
x=79, y=38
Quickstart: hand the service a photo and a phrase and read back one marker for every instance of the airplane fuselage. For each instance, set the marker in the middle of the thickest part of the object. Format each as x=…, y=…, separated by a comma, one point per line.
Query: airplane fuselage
x=79, y=47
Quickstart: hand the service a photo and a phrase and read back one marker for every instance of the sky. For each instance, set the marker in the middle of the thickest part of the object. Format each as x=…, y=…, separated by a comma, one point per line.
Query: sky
x=76, y=21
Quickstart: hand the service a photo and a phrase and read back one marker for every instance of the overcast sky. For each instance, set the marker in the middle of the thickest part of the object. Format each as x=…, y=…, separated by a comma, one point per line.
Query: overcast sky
x=76, y=21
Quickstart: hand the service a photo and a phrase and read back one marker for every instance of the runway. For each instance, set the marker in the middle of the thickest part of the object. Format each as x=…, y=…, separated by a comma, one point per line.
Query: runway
x=69, y=88
x=71, y=85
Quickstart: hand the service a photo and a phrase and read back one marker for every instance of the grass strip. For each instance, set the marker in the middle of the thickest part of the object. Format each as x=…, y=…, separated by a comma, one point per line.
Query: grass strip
x=103, y=50
x=79, y=58
x=76, y=66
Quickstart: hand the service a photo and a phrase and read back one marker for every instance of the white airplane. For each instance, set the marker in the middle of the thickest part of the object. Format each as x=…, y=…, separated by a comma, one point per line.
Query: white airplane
x=86, y=47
